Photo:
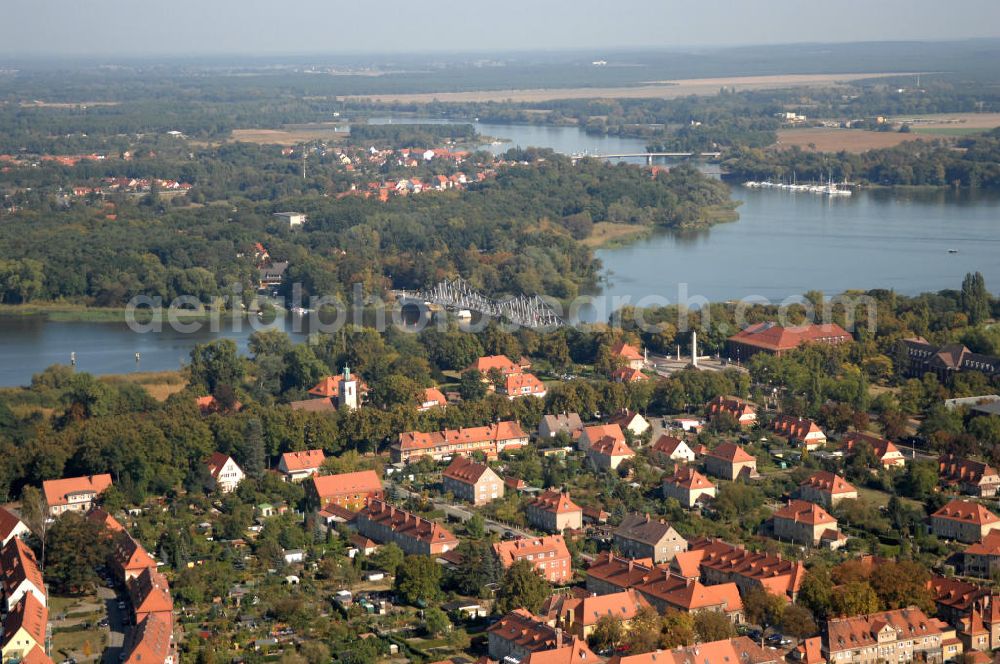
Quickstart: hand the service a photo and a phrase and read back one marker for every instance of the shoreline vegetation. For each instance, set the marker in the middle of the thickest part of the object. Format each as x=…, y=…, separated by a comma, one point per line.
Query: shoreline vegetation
x=70, y=312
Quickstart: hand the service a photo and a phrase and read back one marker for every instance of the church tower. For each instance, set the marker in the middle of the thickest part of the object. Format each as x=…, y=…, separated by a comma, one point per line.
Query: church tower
x=348, y=391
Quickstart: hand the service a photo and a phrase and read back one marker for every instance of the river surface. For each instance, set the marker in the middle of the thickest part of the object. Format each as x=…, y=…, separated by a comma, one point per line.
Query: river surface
x=783, y=245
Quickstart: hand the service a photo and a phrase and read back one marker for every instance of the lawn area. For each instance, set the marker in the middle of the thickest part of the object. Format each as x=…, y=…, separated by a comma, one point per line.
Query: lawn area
x=881, y=498
x=82, y=644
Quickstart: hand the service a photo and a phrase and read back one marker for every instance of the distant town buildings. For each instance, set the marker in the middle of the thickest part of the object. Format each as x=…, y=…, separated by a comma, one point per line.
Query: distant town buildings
x=917, y=357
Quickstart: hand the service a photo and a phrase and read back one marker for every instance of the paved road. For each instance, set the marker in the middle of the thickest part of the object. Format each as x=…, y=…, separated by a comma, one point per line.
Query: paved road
x=116, y=625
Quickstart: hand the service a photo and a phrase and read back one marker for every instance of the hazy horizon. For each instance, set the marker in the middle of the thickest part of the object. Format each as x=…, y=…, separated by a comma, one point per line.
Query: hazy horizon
x=186, y=28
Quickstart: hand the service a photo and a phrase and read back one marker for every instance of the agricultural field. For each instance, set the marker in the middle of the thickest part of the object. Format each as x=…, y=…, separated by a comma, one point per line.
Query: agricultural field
x=290, y=136
x=825, y=139
x=653, y=90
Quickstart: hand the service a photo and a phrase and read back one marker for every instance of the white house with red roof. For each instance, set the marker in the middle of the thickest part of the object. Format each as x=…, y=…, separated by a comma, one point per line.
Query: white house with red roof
x=522, y=385
x=808, y=524
x=297, y=466
x=75, y=494
x=11, y=526
x=226, y=474
x=432, y=397
x=669, y=448
x=20, y=574
x=730, y=461
x=609, y=452
x=592, y=434
x=827, y=489
x=965, y=521
x=687, y=486
x=628, y=355
x=554, y=511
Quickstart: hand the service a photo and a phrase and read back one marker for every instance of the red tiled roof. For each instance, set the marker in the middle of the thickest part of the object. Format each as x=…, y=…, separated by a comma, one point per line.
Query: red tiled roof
x=407, y=524
x=18, y=564
x=626, y=351
x=556, y=502
x=771, y=336
x=731, y=452
x=36, y=656
x=611, y=447
x=362, y=481
x=738, y=650
x=598, y=431
x=801, y=511
x=216, y=463
x=628, y=375
x=990, y=546
x=305, y=460
x=465, y=470
x=28, y=614
x=510, y=552
x=8, y=522
x=150, y=593
x=150, y=641
x=688, y=478
x=966, y=511
x=502, y=431
x=588, y=610
x=828, y=482
x=57, y=492
x=862, y=631
x=501, y=362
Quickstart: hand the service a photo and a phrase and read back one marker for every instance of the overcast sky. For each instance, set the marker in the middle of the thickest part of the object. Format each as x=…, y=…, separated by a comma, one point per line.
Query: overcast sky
x=198, y=27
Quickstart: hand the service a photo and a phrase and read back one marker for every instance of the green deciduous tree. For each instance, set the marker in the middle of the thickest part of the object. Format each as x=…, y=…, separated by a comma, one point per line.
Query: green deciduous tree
x=521, y=587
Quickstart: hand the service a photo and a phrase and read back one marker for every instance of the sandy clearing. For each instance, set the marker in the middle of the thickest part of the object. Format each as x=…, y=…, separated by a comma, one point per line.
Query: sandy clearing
x=287, y=137
x=660, y=89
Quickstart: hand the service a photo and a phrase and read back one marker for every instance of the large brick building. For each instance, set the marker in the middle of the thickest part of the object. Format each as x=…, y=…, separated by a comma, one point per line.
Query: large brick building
x=385, y=523
x=548, y=555
x=775, y=339
x=903, y=635
x=964, y=520
x=472, y=482
x=491, y=440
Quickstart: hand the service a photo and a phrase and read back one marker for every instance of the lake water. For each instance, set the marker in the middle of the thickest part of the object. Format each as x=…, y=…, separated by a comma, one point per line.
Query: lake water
x=784, y=244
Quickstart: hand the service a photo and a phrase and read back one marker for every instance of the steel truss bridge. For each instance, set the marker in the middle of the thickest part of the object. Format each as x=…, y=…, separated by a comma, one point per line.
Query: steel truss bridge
x=524, y=311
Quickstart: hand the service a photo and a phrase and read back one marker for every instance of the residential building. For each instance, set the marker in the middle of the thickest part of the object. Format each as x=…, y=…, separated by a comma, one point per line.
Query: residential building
x=629, y=356
x=432, y=398
x=630, y=421
x=569, y=651
x=75, y=494
x=522, y=385
x=37, y=656
x=11, y=526
x=385, y=523
x=730, y=461
x=721, y=562
x=917, y=356
x=569, y=423
x=687, y=486
x=982, y=559
x=554, y=511
x=737, y=650
x=774, y=339
x=886, y=454
x=641, y=536
x=293, y=219
x=523, y=637
x=128, y=558
x=668, y=449
x=744, y=412
x=594, y=433
x=351, y=491
x=151, y=642
x=149, y=593
x=501, y=363
x=627, y=375
x=20, y=574
x=800, y=431
x=547, y=554
x=663, y=588
x=826, y=489
x=964, y=520
x=297, y=466
x=472, y=482
x=973, y=610
x=226, y=474
x=808, y=524
x=491, y=440
x=608, y=453
x=579, y=615
x=903, y=635
x=974, y=478
x=24, y=629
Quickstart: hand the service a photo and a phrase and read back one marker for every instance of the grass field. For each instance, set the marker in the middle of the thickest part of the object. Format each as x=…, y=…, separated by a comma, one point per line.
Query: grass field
x=824, y=139
x=289, y=136
x=655, y=89
x=607, y=234
x=159, y=384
